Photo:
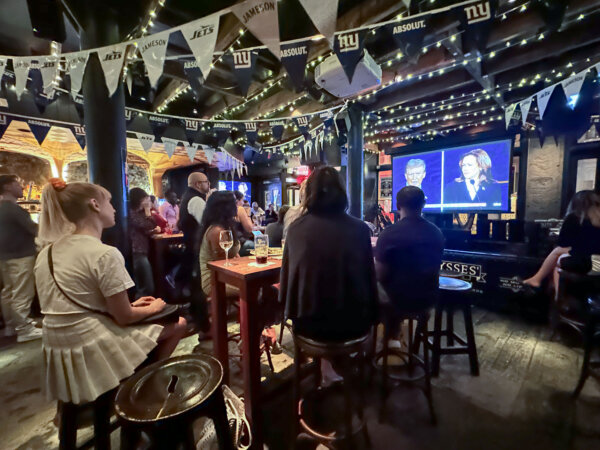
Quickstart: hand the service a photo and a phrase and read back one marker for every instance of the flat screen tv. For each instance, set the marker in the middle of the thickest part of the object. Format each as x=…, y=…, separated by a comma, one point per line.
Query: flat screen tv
x=245, y=188
x=470, y=178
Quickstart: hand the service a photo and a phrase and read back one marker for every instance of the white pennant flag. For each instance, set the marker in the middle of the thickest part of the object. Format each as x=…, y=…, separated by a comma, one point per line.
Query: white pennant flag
x=572, y=85
x=21, y=68
x=76, y=63
x=525, y=105
x=112, y=59
x=209, y=152
x=49, y=70
x=170, y=145
x=262, y=19
x=323, y=14
x=146, y=140
x=509, y=112
x=3, y=62
x=191, y=150
x=153, y=50
x=543, y=97
x=201, y=36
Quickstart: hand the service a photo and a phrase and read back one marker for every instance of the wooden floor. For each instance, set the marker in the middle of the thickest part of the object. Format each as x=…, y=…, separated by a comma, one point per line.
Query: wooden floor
x=520, y=400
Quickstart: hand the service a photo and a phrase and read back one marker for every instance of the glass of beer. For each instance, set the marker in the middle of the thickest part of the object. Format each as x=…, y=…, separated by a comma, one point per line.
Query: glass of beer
x=261, y=248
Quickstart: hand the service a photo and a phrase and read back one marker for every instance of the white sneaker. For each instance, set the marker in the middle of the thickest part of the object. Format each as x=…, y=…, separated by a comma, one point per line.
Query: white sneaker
x=29, y=335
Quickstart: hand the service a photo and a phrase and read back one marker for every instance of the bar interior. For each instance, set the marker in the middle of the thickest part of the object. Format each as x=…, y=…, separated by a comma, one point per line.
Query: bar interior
x=299, y=224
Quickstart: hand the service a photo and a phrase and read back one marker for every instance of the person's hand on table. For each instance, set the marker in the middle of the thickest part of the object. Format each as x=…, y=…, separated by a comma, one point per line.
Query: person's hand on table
x=143, y=301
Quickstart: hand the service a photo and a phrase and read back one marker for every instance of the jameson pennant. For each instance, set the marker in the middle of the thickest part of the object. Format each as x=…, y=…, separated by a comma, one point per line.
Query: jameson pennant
x=79, y=133
x=39, y=128
x=277, y=128
x=112, y=59
x=153, y=50
x=194, y=76
x=76, y=63
x=476, y=20
x=251, y=131
x=543, y=97
x=158, y=124
x=323, y=14
x=242, y=63
x=49, y=69
x=293, y=58
x=170, y=146
x=525, y=106
x=349, y=49
x=262, y=19
x=509, y=111
x=191, y=151
x=146, y=140
x=409, y=34
x=201, y=36
x=21, y=68
x=572, y=85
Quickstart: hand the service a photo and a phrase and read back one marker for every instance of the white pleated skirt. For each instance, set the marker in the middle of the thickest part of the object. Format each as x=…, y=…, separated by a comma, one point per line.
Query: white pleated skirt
x=86, y=356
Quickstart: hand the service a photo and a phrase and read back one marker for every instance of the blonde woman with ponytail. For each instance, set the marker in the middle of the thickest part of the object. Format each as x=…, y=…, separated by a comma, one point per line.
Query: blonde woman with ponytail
x=90, y=342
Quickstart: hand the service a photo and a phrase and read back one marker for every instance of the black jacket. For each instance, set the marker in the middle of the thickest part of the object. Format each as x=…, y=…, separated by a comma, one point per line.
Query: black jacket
x=488, y=193
x=187, y=223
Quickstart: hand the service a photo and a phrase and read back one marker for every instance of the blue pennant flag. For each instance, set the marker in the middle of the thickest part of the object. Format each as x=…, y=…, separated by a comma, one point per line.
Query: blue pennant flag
x=349, y=49
x=39, y=128
x=408, y=34
x=277, y=128
x=242, y=63
x=293, y=58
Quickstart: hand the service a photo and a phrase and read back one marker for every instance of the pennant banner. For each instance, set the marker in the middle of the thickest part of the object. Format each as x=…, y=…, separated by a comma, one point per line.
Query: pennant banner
x=194, y=76
x=293, y=58
x=209, y=152
x=476, y=20
x=191, y=151
x=76, y=63
x=543, y=97
x=251, y=131
x=79, y=133
x=201, y=36
x=409, y=35
x=49, y=70
x=262, y=19
x=223, y=131
x=323, y=14
x=572, y=86
x=39, y=128
x=112, y=59
x=349, y=50
x=242, y=63
x=509, y=111
x=146, y=140
x=158, y=124
x=153, y=50
x=191, y=128
x=277, y=129
x=21, y=68
x=170, y=146
x=525, y=106
x=302, y=122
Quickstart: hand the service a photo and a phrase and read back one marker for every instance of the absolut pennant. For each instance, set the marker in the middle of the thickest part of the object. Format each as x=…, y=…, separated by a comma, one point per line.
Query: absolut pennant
x=409, y=34
x=293, y=58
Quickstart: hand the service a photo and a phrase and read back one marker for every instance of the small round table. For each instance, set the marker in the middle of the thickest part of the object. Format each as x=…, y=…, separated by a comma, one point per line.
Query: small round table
x=165, y=398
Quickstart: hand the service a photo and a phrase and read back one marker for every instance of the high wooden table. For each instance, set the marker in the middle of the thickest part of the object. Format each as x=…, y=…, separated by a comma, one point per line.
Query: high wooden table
x=248, y=279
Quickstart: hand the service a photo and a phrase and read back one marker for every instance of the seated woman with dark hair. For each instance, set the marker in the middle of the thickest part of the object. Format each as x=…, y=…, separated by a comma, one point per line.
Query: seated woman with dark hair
x=243, y=226
x=275, y=230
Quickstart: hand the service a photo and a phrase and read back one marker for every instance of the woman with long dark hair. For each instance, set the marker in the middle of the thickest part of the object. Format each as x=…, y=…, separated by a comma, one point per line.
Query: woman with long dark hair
x=219, y=215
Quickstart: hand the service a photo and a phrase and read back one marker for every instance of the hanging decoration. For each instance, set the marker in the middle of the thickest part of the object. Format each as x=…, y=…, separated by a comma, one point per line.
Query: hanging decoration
x=262, y=19
x=79, y=133
x=242, y=64
x=223, y=131
x=509, y=111
x=170, y=145
x=194, y=76
x=552, y=11
x=251, y=131
x=543, y=97
x=158, y=124
x=302, y=122
x=409, y=34
x=525, y=106
x=191, y=150
x=323, y=14
x=154, y=50
x=201, y=36
x=49, y=69
x=293, y=58
x=572, y=86
x=112, y=59
x=146, y=140
x=21, y=68
x=209, y=153
x=76, y=63
x=349, y=49
x=39, y=128
x=277, y=129
x=476, y=21
x=191, y=128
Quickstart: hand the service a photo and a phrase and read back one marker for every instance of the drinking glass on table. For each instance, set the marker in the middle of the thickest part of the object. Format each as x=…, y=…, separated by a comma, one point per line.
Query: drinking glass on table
x=261, y=248
x=226, y=242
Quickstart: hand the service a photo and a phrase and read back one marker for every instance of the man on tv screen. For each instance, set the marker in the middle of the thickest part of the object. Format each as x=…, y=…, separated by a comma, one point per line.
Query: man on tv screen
x=475, y=185
x=415, y=172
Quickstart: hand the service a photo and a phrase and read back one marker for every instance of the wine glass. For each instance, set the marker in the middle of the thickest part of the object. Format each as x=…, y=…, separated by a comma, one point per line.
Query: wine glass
x=226, y=242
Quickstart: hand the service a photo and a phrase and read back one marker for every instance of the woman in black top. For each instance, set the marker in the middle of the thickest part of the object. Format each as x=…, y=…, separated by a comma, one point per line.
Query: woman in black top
x=579, y=238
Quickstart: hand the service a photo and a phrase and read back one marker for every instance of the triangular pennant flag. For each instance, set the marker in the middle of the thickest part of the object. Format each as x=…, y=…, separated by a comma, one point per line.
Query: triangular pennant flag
x=3, y=124
x=21, y=68
x=194, y=76
x=112, y=59
x=176, y=130
x=170, y=145
x=476, y=20
x=323, y=14
x=572, y=86
x=191, y=128
x=302, y=122
x=209, y=152
x=39, y=128
x=349, y=49
x=223, y=131
x=129, y=116
x=146, y=140
x=293, y=58
x=79, y=133
x=153, y=50
x=509, y=111
x=201, y=36
x=543, y=97
x=525, y=106
x=138, y=123
x=3, y=62
x=251, y=131
x=539, y=129
x=409, y=34
x=76, y=63
x=242, y=63
x=553, y=12
x=158, y=124
x=262, y=19
x=48, y=69
x=191, y=151
x=277, y=129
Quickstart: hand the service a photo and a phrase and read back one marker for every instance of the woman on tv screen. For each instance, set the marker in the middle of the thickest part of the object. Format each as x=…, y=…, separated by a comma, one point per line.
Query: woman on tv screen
x=476, y=183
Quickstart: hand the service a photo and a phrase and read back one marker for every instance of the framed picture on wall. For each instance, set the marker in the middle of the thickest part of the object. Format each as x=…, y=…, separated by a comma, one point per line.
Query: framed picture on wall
x=385, y=185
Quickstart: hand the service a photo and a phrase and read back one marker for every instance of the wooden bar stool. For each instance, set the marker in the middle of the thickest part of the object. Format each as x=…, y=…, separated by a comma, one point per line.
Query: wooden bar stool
x=164, y=399
x=350, y=356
